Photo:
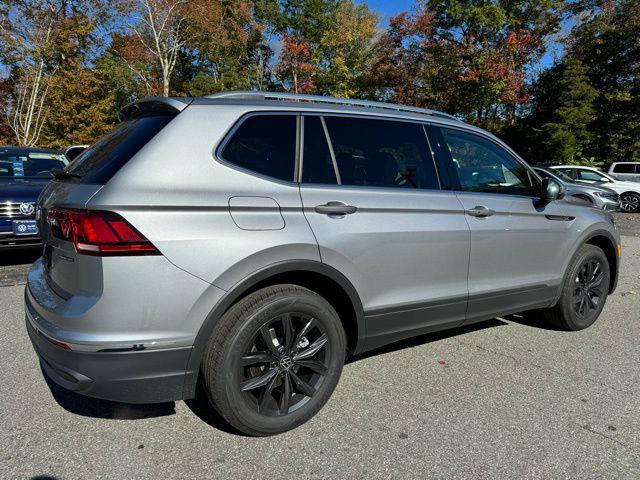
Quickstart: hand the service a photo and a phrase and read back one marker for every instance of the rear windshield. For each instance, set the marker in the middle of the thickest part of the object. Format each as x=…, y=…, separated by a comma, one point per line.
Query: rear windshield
x=26, y=164
x=98, y=163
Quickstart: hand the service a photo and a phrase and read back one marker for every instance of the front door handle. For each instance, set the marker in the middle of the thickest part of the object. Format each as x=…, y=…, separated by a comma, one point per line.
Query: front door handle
x=480, y=211
x=336, y=208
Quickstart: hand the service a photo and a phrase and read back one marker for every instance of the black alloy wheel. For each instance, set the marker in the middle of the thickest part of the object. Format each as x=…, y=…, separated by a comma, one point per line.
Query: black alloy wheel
x=588, y=293
x=274, y=359
x=584, y=290
x=285, y=364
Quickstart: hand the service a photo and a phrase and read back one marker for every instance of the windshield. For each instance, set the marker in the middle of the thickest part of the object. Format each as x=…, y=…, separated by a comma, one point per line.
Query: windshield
x=563, y=176
x=28, y=164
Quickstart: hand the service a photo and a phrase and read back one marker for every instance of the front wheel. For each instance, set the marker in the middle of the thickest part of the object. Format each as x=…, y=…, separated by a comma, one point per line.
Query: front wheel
x=630, y=202
x=584, y=292
x=274, y=359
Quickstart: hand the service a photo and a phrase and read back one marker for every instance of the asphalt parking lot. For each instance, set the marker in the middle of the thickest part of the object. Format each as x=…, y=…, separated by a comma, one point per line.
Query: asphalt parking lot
x=507, y=398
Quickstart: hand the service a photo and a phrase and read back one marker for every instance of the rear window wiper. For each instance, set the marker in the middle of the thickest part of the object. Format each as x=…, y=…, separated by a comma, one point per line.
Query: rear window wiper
x=61, y=174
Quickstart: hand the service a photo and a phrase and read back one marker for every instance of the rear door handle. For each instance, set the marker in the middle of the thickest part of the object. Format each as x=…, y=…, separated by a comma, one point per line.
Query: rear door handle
x=480, y=211
x=336, y=208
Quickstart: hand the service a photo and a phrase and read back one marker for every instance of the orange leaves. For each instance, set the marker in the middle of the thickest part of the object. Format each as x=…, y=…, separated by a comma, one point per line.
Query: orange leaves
x=295, y=68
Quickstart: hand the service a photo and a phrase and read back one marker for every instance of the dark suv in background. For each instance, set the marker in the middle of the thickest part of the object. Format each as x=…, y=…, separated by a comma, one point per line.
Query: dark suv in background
x=23, y=174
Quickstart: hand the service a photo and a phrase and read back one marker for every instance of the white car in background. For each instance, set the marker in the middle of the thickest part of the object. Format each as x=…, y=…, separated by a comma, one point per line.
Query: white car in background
x=629, y=191
x=625, y=171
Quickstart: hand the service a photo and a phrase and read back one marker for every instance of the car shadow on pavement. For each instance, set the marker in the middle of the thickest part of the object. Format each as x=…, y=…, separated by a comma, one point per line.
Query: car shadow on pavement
x=533, y=318
x=94, y=407
x=201, y=408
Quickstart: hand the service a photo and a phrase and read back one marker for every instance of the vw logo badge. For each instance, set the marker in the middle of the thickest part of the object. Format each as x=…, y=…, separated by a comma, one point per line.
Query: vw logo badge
x=27, y=209
x=286, y=362
x=22, y=228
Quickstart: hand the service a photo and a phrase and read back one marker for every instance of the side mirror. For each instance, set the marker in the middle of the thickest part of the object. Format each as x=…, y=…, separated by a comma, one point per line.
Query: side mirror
x=551, y=191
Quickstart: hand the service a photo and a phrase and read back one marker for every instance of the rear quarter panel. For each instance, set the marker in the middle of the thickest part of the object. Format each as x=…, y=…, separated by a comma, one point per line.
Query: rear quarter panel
x=178, y=196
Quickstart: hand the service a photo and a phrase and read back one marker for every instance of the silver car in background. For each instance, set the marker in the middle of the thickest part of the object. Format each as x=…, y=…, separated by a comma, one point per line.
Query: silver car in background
x=599, y=197
x=248, y=242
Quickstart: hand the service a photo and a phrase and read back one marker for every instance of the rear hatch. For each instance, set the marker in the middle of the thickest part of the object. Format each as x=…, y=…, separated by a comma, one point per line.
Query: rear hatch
x=62, y=210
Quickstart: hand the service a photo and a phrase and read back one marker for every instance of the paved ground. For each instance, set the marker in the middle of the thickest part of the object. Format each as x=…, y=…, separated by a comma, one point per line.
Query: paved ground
x=507, y=398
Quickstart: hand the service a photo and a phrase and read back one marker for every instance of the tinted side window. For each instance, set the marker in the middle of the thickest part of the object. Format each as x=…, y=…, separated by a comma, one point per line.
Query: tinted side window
x=485, y=167
x=624, y=168
x=264, y=144
x=98, y=163
x=317, y=165
x=590, y=175
x=381, y=153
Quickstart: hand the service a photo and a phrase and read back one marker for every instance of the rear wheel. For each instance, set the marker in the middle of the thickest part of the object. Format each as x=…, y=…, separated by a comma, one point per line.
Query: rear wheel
x=274, y=359
x=630, y=202
x=584, y=292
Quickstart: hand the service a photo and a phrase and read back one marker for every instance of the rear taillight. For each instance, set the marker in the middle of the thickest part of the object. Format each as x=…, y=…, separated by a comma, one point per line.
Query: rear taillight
x=98, y=232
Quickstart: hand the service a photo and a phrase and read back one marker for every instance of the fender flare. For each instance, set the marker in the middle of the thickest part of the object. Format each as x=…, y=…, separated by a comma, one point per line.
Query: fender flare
x=240, y=288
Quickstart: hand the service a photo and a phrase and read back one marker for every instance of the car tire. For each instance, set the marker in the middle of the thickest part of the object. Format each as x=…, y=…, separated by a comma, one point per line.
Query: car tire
x=274, y=359
x=584, y=291
x=630, y=202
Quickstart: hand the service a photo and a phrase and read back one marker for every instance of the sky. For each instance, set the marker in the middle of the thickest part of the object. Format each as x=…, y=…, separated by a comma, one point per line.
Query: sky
x=387, y=8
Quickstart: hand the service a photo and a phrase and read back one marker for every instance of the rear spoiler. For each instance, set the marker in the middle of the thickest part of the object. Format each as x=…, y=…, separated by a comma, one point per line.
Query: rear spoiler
x=154, y=105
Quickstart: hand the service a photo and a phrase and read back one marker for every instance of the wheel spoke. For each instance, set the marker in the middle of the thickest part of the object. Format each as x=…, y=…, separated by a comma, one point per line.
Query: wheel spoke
x=314, y=365
x=260, y=381
x=590, y=304
x=287, y=391
x=257, y=357
x=583, y=304
x=302, y=386
x=268, y=340
x=312, y=349
x=305, y=330
x=288, y=331
x=589, y=272
x=597, y=280
x=266, y=394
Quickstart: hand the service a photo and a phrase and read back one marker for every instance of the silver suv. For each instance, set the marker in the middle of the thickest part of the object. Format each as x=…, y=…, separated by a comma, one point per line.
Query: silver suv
x=250, y=242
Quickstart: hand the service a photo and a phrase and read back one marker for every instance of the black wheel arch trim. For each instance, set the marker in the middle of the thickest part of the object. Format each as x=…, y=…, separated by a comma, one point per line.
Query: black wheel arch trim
x=236, y=292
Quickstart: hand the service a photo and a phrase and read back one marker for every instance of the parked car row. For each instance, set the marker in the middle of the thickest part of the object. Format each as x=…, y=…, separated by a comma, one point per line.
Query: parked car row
x=296, y=231
x=629, y=191
x=599, y=197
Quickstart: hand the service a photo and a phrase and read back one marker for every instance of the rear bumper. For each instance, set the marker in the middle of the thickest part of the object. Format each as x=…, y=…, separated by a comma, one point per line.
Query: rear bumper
x=146, y=376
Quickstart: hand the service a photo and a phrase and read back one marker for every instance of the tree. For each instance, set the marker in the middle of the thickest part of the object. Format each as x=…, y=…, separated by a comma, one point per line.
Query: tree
x=608, y=45
x=28, y=45
x=226, y=46
x=574, y=113
x=345, y=50
x=295, y=70
x=160, y=30
x=586, y=107
x=39, y=41
x=468, y=57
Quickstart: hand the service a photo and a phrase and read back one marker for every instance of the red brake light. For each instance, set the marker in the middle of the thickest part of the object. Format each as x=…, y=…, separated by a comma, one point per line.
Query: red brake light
x=97, y=232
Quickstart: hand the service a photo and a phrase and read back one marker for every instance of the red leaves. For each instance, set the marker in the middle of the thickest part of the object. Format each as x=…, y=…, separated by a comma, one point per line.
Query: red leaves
x=295, y=68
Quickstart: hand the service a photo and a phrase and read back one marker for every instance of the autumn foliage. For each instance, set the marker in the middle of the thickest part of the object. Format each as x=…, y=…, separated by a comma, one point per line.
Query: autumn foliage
x=68, y=66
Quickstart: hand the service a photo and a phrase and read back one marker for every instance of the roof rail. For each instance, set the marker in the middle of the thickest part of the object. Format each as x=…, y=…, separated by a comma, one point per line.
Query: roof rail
x=295, y=97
